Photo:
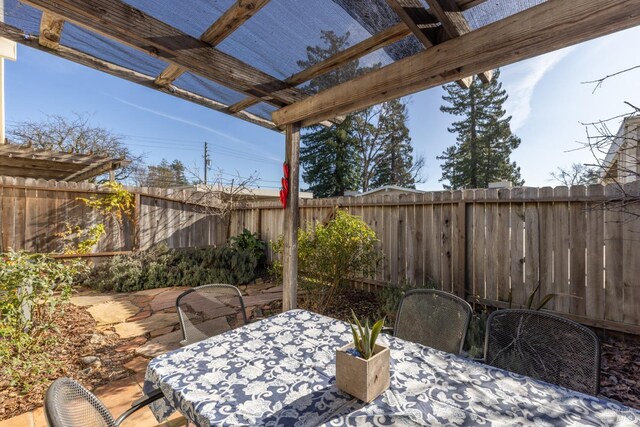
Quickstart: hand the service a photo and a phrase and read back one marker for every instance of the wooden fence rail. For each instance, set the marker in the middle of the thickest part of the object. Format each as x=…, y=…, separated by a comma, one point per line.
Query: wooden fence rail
x=483, y=245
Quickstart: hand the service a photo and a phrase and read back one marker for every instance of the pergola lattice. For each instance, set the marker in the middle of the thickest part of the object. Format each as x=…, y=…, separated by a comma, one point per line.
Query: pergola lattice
x=246, y=62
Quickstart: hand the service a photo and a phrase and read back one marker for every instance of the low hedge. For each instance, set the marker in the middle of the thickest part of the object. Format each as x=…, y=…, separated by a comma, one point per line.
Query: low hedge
x=161, y=267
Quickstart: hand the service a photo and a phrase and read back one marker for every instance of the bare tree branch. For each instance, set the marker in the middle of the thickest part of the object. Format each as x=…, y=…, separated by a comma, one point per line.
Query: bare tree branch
x=599, y=82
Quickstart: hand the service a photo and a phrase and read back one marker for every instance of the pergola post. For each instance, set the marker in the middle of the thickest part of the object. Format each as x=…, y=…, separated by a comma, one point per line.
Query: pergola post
x=290, y=254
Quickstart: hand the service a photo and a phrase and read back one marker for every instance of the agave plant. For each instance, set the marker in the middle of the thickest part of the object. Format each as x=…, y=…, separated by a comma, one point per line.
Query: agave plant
x=364, y=337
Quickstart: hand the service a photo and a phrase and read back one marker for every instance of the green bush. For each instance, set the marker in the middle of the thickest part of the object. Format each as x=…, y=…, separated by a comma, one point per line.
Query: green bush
x=247, y=241
x=33, y=292
x=161, y=266
x=331, y=255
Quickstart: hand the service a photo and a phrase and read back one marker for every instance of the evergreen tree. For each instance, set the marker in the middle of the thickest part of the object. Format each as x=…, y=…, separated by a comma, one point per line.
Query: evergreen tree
x=484, y=138
x=397, y=166
x=371, y=146
x=165, y=175
x=329, y=156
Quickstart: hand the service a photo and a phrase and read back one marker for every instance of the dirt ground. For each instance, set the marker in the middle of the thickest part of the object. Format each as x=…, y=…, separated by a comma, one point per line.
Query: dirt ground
x=78, y=342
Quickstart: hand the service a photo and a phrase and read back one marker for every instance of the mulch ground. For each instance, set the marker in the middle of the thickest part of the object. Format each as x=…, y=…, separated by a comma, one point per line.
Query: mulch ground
x=77, y=337
x=620, y=372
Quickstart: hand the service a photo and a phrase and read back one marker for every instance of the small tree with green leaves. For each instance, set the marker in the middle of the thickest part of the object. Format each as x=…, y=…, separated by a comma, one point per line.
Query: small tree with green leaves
x=330, y=255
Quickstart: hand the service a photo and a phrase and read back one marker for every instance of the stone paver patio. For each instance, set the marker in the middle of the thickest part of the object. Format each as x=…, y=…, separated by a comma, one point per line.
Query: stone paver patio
x=148, y=325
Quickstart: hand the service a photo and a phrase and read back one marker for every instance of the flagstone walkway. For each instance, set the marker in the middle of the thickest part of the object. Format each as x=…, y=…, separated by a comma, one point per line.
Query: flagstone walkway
x=147, y=324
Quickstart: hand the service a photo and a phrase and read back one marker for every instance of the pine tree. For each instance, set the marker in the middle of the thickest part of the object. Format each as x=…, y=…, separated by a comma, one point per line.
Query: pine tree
x=329, y=156
x=484, y=138
x=369, y=146
x=396, y=166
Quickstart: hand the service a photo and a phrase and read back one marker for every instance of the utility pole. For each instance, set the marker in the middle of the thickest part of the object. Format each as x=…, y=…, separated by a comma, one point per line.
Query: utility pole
x=207, y=161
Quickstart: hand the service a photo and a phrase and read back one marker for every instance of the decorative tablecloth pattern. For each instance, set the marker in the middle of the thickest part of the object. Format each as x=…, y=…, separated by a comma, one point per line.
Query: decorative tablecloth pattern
x=281, y=372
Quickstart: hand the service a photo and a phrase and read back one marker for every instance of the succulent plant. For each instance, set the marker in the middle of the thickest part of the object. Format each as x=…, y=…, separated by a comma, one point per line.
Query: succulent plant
x=364, y=337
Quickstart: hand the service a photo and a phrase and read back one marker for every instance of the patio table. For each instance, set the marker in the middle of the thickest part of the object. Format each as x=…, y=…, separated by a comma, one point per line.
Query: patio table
x=281, y=372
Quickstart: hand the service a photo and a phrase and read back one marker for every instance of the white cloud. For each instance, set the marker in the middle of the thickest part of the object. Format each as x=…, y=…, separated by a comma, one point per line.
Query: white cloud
x=520, y=81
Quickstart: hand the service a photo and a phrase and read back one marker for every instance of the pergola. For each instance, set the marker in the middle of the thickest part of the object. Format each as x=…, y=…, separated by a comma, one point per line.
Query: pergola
x=24, y=162
x=241, y=58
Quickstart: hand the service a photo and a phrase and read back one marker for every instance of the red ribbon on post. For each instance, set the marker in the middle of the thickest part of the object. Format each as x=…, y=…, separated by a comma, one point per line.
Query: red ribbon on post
x=284, y=191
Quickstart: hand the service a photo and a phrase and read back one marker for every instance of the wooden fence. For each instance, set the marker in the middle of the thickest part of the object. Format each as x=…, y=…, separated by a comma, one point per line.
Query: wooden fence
x=484, y=245
x=34, y=212
x=480, y=244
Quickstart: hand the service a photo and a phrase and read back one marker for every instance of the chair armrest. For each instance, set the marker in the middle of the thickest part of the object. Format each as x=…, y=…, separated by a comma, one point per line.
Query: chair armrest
x=256, y=319
x=387, y=330
x=140, y=403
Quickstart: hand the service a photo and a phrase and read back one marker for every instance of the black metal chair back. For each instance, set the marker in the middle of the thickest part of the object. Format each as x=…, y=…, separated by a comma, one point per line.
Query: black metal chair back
x=69, y=404
x=433, y=318
x=544, y=346
x=199, y=307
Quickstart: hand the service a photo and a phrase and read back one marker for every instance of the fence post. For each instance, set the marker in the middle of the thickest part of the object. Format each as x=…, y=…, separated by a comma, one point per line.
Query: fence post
x=136, y=221
x=458, y=242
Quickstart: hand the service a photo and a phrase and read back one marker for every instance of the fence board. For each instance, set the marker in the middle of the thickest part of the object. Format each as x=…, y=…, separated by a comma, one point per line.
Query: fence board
x=561, y=256
x=493, y=258
x=577, y=248
x=594, y=292
x=518, y=290
x=531, y=242
x=546, y=246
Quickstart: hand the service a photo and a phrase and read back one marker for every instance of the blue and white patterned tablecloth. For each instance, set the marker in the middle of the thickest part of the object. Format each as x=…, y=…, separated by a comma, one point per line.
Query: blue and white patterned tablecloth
x=281, y=372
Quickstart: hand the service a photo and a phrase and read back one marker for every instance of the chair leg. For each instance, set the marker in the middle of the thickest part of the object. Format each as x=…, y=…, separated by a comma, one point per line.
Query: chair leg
x=139, y=404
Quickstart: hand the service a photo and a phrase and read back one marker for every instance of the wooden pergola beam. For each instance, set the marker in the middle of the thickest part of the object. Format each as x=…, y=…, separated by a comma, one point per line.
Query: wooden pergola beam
x=50, y=30
x=130, y=26
x=549, y=26
x=224, y=26
x=454, y=24
x=423, y=26
x=62, y=51
x=358, y=50
x=468, y=4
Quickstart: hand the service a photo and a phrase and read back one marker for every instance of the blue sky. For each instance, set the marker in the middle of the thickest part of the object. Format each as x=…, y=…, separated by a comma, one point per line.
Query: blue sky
x=547, y=102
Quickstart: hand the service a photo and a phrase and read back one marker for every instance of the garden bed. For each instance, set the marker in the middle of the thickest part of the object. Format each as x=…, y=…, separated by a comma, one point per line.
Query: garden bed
x=82, y=352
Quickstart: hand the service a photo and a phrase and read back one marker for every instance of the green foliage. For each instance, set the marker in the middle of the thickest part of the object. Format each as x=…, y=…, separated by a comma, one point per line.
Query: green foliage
x=544, y=301
x=161, y=266
x=33, y=291
x=369, y=146
x=484, y=138
x=474, y=341
x=164, y=175
x=394, y=162
x=330, y=255
x=247, y=241
x=364, y=337
x=79, y=240
x=116, y=203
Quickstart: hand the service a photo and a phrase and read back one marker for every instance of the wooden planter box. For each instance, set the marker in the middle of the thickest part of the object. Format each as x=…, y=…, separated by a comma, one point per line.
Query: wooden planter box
x=364, y=379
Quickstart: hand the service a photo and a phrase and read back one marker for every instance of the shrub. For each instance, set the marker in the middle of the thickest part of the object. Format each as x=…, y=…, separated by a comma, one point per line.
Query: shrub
x=330, y=255
x=161, y=266
x=33, y=291
x=247, y=241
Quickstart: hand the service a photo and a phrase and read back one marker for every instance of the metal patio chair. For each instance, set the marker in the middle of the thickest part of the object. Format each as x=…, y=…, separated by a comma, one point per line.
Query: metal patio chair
x=68, y=404
x=199, y=307
x=544, y=346
x=433, y=318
